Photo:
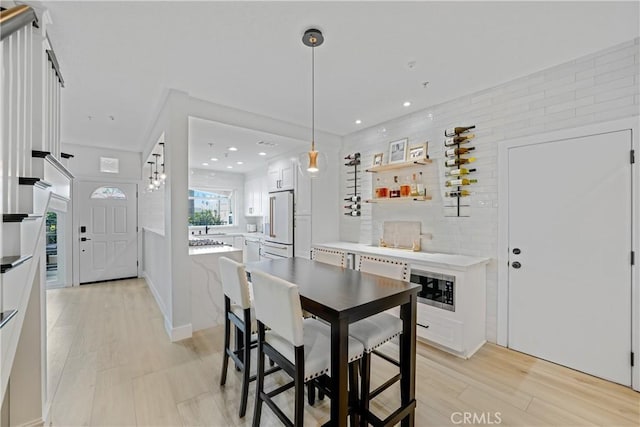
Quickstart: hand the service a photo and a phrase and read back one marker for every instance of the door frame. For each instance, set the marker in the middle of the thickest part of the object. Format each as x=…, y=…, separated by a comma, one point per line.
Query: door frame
x=75, y=238
x=502, y=321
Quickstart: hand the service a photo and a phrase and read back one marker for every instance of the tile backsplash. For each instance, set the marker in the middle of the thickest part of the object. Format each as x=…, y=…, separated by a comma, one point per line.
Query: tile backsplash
x=599, y=87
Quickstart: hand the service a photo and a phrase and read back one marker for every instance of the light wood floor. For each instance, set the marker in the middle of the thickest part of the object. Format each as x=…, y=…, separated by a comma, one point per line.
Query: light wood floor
x=110, y=363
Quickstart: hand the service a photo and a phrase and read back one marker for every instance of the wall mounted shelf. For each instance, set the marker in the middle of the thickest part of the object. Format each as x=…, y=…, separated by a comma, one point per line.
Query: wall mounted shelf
x=400, y=199
x=384, y=168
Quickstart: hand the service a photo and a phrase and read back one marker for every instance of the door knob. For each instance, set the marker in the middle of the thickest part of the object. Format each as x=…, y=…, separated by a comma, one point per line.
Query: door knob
x=516, y=264
x=516, y=251
x=84, y=239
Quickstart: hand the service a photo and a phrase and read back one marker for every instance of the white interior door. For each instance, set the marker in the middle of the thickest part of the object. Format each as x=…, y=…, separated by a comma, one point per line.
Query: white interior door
x=108, y=241
x=570, y=218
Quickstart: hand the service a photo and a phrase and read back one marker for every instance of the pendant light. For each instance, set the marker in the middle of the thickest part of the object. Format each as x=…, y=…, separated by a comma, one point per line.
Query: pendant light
x=151, y=187
x=156, y=180
x=313, y=38
x=163, y=175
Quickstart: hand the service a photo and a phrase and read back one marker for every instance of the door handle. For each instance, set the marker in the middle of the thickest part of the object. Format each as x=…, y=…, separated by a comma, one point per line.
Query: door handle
x=84, y=239
x=516, y=264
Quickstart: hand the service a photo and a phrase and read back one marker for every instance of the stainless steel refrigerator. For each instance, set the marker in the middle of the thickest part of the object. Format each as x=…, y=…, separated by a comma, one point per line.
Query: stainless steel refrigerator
x=278, y=240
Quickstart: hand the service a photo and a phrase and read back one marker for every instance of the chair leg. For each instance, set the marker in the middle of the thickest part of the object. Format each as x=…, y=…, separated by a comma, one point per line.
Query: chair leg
x=311, y=393
x=299, y=386
x=257, y=411
x=239, y=344
x=366, y=384
x=227, y=347
x=321, y=390
x=247, y=370
x=353, y=392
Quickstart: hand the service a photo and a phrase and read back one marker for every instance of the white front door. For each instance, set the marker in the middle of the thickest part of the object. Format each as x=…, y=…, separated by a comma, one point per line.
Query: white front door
x=570, y=253
x=108, y=231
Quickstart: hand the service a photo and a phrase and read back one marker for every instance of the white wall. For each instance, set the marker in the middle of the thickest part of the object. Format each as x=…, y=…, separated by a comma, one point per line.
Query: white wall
x=155, y=266
x=599, y=87
x=86, y=163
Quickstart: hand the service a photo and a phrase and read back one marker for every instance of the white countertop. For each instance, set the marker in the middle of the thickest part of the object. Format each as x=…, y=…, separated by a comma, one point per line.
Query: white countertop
x=208, y=250
x=428, y=258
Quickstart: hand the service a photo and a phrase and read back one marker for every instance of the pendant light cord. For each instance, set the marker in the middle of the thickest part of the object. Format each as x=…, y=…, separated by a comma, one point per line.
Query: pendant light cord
x=313, y=97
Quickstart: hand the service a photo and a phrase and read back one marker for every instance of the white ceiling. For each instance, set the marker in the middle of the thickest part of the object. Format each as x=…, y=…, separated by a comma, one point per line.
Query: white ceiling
x=117, y=58
x=249, y=143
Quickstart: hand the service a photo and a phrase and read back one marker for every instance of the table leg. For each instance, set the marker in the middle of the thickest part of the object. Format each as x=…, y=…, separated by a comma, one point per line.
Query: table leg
x=339, y=364
x=408, y=357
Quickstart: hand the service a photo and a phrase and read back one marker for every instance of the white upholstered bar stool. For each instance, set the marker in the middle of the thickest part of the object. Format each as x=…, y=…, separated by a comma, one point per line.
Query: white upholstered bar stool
x=329, y=256
x=239, y=311
x=301, y=347
x=376, y=330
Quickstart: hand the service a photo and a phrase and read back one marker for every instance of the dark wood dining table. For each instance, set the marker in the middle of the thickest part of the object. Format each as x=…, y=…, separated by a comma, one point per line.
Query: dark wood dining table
x=342, y=296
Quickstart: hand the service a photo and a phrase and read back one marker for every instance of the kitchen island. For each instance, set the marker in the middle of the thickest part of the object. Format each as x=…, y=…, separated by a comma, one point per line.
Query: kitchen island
x=207, y=301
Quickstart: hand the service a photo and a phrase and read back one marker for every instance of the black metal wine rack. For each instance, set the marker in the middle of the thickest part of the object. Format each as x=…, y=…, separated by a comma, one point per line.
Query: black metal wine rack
x=459, y=195
x=352, y=198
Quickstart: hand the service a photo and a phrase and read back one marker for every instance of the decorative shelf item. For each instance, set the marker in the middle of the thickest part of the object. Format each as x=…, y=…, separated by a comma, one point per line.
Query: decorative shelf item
x=353, y=187
x=393, y=166
x=453, y=152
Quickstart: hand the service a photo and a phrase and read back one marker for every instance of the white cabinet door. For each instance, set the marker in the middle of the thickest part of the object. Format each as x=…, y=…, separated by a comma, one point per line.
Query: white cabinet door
x=303, y=195
x=273, y=178
x=238, y=242
x=302, y=237
x=281, y=175
x=287, y=175
x=248, y=198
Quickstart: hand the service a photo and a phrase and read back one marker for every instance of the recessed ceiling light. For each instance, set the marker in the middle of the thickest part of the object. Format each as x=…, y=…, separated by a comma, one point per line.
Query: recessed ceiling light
x=229, y=167
x=262, y=153
x=358, y=121
x=205, y=164
x=406, y=103
x=214, y=159
x=233, y=149
x=239, y=163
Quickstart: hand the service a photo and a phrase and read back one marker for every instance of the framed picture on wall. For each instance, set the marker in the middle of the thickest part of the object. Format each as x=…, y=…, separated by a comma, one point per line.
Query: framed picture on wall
x=419, y=152
x=377, y=159
x=398, y=151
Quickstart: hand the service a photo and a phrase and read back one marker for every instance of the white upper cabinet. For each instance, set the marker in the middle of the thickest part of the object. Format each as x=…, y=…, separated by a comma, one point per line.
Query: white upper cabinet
x=253, y=197
x=303, y=195
x=281, y=175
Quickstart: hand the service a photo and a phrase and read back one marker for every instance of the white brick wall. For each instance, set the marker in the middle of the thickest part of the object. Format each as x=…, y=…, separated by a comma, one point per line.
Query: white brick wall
x=599, y=87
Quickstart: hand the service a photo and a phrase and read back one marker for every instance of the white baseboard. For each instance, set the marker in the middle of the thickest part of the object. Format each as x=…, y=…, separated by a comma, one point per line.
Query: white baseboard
x=180, y=333
x=38, y=422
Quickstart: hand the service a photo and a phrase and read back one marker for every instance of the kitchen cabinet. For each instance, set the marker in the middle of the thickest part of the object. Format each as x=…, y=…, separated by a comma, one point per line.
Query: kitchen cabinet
x=303, y=195
x=302, y=236
x=251, y=250
x=281, y=175
x=238, y=242
x=253, y=197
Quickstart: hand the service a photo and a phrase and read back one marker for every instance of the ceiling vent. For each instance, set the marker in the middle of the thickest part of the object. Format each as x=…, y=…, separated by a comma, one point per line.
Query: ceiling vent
x=266, y=144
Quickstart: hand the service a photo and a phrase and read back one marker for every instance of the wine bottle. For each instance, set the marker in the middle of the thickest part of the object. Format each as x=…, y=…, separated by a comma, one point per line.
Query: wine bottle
x=460, y=150
x=461, y=193
x=456, y=162
x=352, y=156
x=457, y=130
x=459, y=172
x=461, y=139
x=462, y=181
x=352, y=199
x=354, y=206
x=353, y=213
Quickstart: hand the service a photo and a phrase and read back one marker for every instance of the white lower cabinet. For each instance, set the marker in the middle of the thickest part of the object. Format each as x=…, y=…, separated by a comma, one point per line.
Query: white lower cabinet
x=302, y=236
x=462, y=331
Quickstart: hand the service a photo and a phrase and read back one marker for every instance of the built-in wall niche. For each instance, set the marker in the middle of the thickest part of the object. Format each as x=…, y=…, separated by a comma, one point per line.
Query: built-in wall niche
x=155, y=166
